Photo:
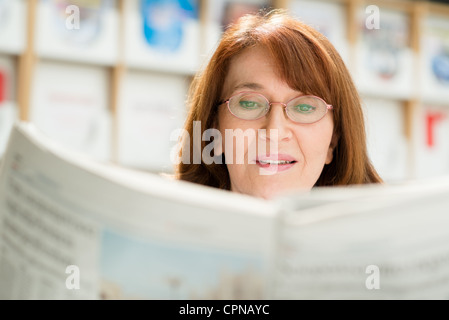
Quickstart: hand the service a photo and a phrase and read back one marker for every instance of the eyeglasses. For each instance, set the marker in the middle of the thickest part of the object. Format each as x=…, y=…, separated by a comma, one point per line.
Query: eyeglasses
x=253, y=105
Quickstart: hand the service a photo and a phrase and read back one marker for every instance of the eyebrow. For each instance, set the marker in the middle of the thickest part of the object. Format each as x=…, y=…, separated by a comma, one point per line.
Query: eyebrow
x=249, y=85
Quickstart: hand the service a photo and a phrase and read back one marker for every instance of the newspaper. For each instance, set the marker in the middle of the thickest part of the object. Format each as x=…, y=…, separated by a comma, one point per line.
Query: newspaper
x=74, y=228
x=381, y=243
x=124, y=235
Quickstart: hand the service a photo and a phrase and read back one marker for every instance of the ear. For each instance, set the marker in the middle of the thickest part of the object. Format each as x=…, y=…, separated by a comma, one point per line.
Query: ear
x=332, y=145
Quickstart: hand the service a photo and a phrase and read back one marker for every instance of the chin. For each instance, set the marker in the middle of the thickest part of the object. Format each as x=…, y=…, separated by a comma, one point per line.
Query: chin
x=265, y=195
x=275, y=191
x=269, y=193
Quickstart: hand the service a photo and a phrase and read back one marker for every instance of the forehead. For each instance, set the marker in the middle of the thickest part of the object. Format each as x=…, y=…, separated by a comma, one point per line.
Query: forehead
x=253, y=66
x=252, y=56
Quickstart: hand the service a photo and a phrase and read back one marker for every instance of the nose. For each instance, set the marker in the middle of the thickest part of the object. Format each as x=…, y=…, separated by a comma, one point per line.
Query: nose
x=277, y=119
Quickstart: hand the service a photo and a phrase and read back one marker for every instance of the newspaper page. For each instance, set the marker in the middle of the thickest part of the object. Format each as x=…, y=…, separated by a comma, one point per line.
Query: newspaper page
x=377, y=242
x=75, y=229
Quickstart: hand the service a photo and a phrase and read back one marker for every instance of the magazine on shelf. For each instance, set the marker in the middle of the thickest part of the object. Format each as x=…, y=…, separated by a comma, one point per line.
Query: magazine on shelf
x=75, y=228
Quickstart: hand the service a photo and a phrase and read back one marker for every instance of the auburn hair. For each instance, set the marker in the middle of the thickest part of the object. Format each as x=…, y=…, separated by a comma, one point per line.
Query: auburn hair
x=307, y=62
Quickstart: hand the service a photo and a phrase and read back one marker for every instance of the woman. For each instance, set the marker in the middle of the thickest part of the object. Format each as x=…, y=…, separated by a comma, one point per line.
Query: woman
x=273, y=74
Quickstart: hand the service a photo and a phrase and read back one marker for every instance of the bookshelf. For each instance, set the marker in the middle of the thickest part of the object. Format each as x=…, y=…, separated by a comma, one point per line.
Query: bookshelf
x=106, y=88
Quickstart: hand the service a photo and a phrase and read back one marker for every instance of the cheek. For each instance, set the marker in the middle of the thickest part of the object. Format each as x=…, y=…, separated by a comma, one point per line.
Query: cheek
x=314, y=141
x=227, y=121
x=240, y=133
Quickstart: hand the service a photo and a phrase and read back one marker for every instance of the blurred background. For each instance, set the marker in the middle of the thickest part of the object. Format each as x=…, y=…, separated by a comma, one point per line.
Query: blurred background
x=109, y=78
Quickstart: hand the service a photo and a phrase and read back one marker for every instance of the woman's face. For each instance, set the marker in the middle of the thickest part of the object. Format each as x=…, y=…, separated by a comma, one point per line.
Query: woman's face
x=292, y=156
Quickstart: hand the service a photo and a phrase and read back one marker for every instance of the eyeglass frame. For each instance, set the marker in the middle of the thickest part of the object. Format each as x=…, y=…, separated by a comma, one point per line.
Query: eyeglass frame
x=328, y=106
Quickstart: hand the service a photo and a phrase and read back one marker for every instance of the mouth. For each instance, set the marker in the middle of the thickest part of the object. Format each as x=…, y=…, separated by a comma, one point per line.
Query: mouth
x=276, y=162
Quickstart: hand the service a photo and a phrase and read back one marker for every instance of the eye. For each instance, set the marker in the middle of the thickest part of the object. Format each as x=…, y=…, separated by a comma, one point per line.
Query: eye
x=304, y=108
x=248, y=104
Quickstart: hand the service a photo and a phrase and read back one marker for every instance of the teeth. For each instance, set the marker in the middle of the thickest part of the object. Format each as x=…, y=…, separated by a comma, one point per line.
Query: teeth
x=275, y=162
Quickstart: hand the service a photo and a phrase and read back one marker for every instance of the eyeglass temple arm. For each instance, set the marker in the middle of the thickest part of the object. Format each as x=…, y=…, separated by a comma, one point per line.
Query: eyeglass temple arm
x=222, y=101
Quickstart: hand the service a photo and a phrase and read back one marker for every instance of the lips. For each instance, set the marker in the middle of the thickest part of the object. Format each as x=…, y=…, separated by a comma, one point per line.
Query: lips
x=279, y=162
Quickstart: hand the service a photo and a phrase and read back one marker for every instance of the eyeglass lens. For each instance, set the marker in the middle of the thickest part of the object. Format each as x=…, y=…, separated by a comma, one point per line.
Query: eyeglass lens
x=251, y=106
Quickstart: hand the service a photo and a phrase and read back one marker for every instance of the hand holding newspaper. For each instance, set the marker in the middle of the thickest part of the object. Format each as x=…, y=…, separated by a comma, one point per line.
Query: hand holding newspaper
x=73, y=228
